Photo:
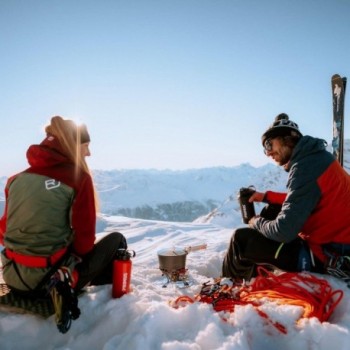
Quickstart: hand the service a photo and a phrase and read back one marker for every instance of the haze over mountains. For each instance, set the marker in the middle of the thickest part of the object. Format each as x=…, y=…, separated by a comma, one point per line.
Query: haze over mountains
x=186, y=195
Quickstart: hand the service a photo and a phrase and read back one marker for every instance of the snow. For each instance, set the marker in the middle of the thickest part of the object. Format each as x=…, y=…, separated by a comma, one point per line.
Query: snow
x=144, y=318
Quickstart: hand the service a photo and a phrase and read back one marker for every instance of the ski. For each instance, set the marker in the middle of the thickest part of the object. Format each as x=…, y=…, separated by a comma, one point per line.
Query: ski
x=338, y=94
x=344, y=89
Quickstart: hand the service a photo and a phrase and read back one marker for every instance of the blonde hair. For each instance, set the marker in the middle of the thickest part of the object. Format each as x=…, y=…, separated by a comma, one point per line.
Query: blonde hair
x=71, y=136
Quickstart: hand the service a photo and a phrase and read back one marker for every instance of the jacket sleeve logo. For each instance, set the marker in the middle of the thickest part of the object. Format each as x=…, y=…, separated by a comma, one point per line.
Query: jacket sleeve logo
x=51, y=184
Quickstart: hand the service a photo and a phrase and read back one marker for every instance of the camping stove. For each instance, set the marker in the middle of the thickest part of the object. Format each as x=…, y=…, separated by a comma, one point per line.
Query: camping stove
x=172, y=263
x=178, y=277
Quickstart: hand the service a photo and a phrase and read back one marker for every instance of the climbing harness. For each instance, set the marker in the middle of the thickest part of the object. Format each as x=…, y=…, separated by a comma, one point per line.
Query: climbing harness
x=56, y=284
x=313, y=294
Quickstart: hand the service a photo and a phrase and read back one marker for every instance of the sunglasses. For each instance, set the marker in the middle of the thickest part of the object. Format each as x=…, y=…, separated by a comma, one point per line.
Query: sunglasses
x=268, y=145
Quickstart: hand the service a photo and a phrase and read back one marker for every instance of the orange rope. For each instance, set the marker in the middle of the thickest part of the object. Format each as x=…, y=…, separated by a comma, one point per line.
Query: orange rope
x=313, y=294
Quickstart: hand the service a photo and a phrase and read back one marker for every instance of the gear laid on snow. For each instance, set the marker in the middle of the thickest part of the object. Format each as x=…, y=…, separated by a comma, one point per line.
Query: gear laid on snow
x=64, y=299
x=313, y=294
x=339, y=266
x=57, y=298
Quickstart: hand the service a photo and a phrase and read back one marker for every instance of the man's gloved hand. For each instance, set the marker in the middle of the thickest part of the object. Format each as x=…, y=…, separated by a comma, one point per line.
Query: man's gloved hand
x=252, y=221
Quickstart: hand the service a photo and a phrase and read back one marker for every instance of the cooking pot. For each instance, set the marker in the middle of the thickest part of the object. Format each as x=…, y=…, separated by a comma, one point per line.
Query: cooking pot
x=175, y=259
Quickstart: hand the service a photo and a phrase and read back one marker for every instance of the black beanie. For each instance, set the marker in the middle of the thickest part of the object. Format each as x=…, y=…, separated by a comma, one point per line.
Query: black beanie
x=84, y=134
x=282, y=126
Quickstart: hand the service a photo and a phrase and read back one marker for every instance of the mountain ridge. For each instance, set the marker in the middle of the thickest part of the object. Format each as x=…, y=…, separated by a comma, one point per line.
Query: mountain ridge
x=183, y=195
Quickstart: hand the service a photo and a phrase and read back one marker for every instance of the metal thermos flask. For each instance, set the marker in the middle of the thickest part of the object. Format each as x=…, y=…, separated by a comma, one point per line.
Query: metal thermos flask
x=247, y=208
x=122, y=267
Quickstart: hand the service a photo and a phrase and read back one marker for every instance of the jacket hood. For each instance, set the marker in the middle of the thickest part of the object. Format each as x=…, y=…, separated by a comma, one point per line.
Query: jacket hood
x=307, y=145
x=48, y=153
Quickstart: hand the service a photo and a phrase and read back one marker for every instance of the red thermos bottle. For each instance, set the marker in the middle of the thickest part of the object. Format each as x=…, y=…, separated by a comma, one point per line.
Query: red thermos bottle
x=122, y=273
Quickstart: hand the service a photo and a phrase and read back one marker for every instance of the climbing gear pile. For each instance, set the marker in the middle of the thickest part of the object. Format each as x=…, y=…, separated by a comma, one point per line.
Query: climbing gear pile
x=339, y=266
x=313, y=294
x=64, y=299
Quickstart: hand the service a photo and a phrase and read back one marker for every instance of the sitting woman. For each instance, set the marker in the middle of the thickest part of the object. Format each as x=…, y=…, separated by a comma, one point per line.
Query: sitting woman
x=50, y=216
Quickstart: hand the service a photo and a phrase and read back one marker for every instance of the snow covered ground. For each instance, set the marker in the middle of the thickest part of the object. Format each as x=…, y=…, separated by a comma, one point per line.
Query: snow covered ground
x=144, y=319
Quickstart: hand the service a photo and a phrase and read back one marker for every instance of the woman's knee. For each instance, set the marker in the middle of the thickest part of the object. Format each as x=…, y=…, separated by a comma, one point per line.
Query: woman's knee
x=115, y=239
x=119, y=238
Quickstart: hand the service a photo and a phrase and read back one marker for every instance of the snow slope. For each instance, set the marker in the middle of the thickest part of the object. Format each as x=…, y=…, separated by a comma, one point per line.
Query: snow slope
x=144, y=320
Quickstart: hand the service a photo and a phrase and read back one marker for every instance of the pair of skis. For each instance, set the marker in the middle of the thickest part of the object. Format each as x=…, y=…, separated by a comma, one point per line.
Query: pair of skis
x=338, y=94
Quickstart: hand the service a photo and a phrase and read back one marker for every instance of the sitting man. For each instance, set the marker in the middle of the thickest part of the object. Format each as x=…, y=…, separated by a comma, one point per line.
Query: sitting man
x=305, y=229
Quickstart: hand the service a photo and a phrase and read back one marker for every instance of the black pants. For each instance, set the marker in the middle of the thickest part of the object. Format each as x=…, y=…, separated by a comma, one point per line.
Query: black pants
x=249, y=248
x=97, y=266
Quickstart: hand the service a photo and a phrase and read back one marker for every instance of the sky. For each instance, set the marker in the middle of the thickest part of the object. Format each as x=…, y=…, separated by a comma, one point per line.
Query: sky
x=168, y=84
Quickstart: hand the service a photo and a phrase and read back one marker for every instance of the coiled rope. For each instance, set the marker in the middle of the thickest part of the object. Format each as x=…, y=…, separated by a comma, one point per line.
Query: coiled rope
x=314, y=295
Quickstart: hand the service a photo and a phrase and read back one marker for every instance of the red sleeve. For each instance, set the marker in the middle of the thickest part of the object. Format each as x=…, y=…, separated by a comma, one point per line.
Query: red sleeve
x=3, y=227
x=3, y=220
x=84, y=217
x=275, y=197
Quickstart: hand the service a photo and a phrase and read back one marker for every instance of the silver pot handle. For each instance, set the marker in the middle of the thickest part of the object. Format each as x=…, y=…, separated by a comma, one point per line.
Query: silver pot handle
x=195, y=248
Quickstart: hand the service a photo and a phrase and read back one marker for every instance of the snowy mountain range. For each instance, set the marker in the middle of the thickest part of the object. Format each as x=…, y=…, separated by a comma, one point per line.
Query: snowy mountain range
x=177, y=195
x=205, y=195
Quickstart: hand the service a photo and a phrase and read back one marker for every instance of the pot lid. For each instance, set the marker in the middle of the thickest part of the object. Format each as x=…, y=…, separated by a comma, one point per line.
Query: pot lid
x=172, y=252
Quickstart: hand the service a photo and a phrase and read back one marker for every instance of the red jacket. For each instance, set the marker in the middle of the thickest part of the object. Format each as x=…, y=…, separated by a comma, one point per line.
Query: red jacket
x=47, y=159
x=316, y=206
